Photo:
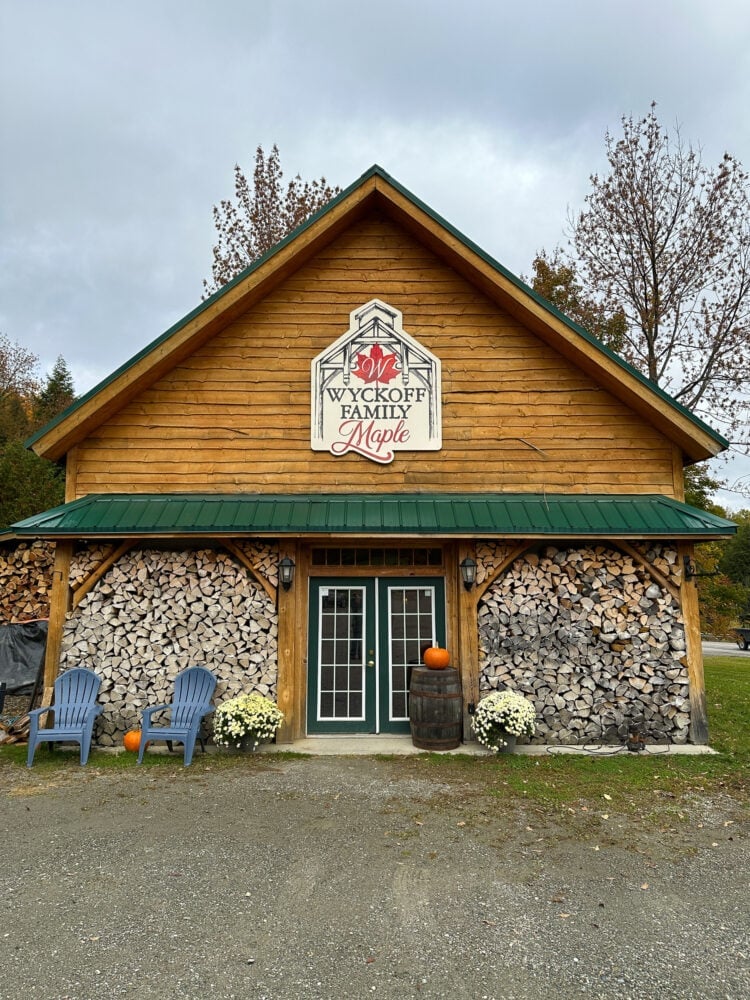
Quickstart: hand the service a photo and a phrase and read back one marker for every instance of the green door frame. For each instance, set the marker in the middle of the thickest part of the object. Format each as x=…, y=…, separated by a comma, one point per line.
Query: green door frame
x=376, y=648
x=387, y=642
x=368, y=722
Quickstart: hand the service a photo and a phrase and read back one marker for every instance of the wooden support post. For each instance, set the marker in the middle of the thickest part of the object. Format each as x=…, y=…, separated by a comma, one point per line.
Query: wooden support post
x=300, y=637
x=694, y=654
x=71, y=474
x=678, y=473
x=59, y=607
x=468, y=641
x=288, y=681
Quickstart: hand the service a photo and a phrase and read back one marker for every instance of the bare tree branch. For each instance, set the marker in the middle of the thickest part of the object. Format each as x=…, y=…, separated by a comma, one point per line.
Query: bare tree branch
x=666, y=241
x=262, y=214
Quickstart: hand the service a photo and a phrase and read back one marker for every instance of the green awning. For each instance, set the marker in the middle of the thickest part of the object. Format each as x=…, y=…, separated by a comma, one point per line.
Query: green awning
x=470, y=515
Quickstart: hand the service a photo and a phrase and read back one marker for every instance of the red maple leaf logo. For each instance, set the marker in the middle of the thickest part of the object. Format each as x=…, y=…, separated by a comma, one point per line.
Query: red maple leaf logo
x=377, y=367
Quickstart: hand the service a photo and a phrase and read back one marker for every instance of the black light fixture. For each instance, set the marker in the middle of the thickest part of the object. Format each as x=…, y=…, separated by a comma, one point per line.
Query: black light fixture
x=286, y=572
x=468, y=572
x=691, y=569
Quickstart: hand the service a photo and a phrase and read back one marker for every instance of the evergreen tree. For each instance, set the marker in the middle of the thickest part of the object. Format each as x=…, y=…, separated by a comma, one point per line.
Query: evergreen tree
x=55, y=396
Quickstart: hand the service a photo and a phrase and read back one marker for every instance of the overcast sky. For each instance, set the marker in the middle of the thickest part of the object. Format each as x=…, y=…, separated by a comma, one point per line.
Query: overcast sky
x=121, y=121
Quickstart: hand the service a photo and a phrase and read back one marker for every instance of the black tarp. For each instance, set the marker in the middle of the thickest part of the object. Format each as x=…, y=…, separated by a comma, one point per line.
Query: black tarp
x=21, y=654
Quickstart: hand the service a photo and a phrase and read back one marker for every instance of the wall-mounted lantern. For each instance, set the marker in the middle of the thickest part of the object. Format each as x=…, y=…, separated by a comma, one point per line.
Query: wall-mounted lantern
x=286, y=572
x=468, y=572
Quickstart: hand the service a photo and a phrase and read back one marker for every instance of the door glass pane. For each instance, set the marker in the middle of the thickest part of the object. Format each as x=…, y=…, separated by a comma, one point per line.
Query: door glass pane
x=341, y=671
x=412, y=627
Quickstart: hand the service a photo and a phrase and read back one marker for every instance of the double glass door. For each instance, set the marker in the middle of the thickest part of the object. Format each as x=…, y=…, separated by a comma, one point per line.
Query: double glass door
x=366, y=635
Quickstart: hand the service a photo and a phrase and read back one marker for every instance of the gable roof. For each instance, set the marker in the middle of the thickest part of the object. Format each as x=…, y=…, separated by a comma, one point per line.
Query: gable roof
x=376, y=189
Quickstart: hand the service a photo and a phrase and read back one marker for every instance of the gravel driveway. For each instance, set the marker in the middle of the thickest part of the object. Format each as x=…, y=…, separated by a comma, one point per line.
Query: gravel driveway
x=342, y=877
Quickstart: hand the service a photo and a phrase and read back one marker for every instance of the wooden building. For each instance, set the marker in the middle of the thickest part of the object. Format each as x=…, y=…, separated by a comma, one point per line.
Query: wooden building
x=424, y=451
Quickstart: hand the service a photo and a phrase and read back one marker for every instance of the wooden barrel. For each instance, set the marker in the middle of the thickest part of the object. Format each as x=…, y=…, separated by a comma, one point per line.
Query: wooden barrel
x=435, y=708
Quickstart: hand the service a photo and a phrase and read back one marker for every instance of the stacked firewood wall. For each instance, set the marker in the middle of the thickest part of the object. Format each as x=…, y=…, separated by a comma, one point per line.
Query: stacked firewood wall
x=25, y=581
x=156, y=612
x=589, y=636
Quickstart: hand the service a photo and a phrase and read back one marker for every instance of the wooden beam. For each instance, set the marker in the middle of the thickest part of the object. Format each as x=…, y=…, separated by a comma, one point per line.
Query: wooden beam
x=242, y=558
x=59, y=607
x=288, y=680
x=678, y=474
x=516, y=551
x=468, y=640
x=652, y=571
x=71, y=475
x=694, y=653
x=81, y=589
x=300, y=633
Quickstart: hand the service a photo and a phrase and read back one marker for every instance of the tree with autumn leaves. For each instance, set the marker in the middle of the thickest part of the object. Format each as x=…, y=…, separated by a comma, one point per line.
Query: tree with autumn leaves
x=658, y=267
x=264, y=211
x=28, y=484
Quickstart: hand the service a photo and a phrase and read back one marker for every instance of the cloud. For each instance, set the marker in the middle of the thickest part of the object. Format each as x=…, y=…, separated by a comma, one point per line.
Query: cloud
x=123, y=123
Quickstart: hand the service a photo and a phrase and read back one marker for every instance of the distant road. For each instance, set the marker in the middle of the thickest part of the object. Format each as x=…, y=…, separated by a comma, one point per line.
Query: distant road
x=723, y=649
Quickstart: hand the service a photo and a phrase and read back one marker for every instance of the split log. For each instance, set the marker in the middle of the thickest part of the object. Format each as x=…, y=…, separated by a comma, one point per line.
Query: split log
x=25, y=581
x=592, y=639
x=155, y=612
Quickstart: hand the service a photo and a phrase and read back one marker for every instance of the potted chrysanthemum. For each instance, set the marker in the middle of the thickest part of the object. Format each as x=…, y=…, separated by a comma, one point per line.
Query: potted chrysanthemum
x=246, y=721
x=500, y=718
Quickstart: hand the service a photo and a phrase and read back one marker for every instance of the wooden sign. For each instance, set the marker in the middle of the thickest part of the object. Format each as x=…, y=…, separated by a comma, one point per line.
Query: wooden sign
x=376, y=390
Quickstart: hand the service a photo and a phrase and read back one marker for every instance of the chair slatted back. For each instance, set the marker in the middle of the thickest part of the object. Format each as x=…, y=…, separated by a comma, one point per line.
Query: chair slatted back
x=193, y=689
x=75, y=693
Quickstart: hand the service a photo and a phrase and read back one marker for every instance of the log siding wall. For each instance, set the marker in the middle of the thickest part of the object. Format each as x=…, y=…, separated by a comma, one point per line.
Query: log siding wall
x=236, y=415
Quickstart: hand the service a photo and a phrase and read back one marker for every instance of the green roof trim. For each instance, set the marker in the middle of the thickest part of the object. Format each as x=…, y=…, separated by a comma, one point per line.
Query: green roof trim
x=376, y=171
x=523, y=515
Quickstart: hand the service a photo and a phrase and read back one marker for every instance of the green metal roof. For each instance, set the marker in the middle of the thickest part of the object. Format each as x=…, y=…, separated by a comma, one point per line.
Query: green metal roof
x=472, y=515
x=376, y=171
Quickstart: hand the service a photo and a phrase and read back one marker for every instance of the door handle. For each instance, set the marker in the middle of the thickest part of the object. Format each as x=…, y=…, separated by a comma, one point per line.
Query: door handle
x=371, y=663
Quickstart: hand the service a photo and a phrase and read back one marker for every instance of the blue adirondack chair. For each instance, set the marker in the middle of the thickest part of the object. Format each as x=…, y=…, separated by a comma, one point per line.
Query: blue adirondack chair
x=193, y=689
x=74, y=712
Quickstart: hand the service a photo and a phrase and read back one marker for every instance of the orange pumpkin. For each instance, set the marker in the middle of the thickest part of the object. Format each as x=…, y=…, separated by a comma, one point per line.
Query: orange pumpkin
x=436, y=658
x=132, y=740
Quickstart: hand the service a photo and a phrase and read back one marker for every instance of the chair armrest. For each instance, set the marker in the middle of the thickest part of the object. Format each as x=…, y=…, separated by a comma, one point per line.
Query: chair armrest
x=36, y=712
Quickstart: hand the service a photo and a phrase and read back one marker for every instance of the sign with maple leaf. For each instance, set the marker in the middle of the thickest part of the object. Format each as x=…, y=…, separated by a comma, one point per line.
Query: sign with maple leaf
x=377, y=366
x=375, y=390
